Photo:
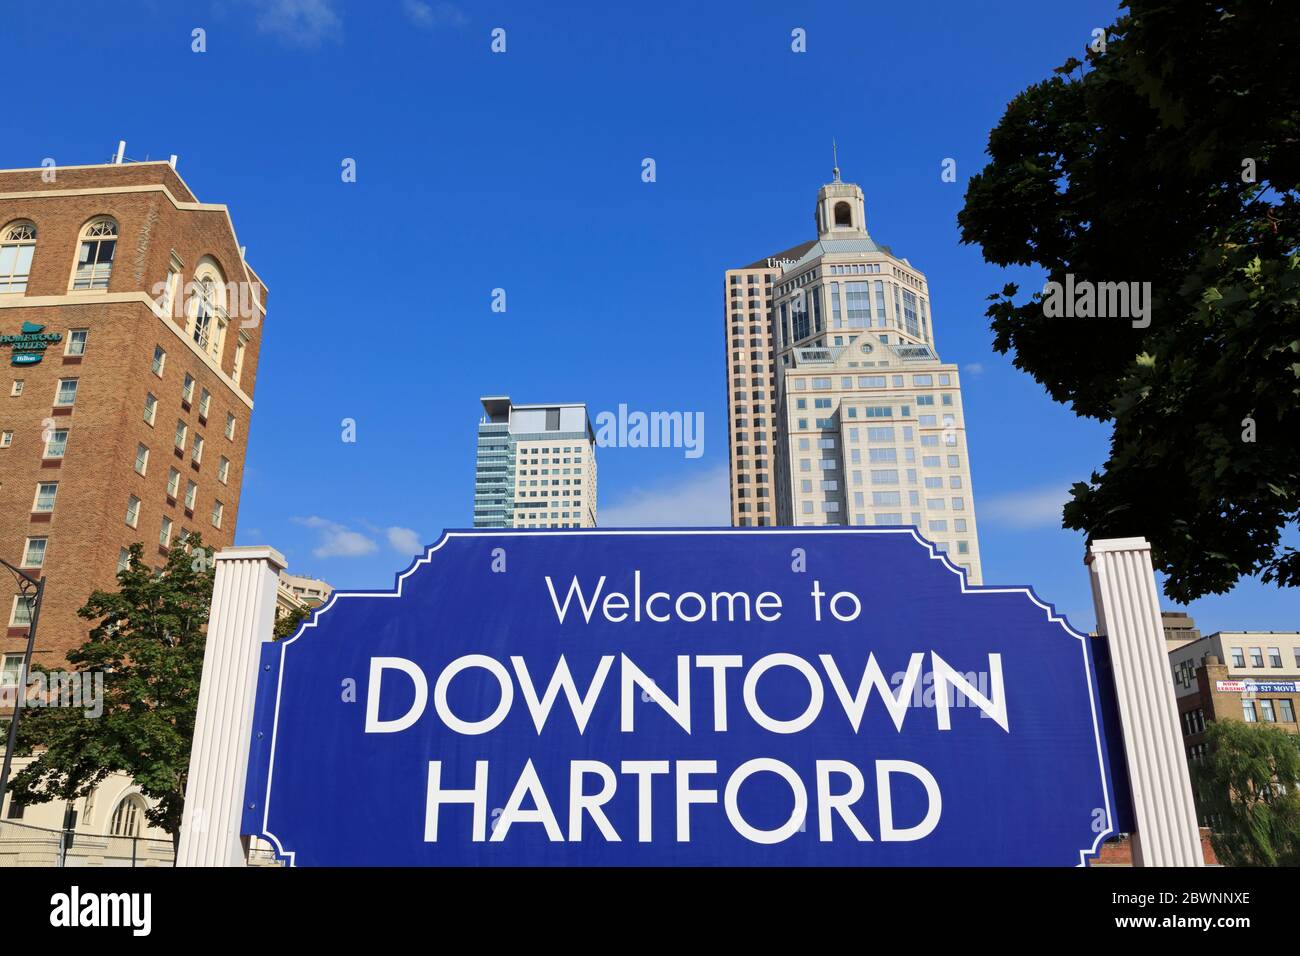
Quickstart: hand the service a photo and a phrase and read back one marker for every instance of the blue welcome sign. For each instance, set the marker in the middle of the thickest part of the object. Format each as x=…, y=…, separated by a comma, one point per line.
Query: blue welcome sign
x=694, y=697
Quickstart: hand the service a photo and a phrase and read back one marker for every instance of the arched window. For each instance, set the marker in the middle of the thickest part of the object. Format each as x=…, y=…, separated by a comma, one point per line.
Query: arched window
x=127, y=818
x=843, y=214
x=95, y=261
x=208, y=319
x=17, y=245
x=205, y=308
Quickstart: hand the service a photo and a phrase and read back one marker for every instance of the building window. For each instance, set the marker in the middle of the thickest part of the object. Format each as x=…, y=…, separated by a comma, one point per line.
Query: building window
x=230, y=431
x=208, y=315
x=123, y=559
x=95, y=260
x=1275, y=657
x=21, y=614
x=1238, y=657
x=16, y=388
x=141, y=459
x=187, y=389
x=1248, y=711
x=6, y=439
x=16, y=251
x=173, y=483
x=150, y=407
x=1256, y=657
x=205, y=401
x=1287, y=710
x=159, y=360
x=1266, y=711
x=56, y=443
x=10, y=671
x=196, y=450
x=165, y=532
x=170, y=287
x=238, y=368
x=132, y=511
x=204, y=308
x=191, y=493
x=217, y=510
x=223, y=469
x=126, y=818
x=66, y=394
x=34, y=553
x=46, y=492
x=76, y=342
x=181, y=431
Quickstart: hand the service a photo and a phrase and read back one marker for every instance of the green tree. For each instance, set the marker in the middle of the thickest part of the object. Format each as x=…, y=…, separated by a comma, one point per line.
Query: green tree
x=149, y=644
x=287, y=623
x=1172, y=157
x=1248, y=787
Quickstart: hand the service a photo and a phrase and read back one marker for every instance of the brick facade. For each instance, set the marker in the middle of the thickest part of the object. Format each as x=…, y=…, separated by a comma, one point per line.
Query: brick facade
x=159, y=223
x=1119, y=851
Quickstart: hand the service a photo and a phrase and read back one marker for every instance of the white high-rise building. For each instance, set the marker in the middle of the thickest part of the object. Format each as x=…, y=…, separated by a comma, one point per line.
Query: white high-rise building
x=870, y=428
x=536, y=466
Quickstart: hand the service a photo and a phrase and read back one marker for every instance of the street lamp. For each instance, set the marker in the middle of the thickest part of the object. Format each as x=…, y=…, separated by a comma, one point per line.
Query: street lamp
x=30, y=590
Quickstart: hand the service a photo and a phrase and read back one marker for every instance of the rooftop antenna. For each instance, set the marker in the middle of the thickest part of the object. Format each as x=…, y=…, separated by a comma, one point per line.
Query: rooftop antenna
x=835, y=159
x=121, y=151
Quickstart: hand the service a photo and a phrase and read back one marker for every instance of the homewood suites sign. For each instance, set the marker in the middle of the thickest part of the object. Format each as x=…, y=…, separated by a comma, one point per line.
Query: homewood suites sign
x=29, y=345
x=777, y=697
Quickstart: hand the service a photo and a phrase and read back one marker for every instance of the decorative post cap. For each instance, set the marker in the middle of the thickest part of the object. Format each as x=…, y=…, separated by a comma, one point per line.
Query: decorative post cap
x=253, y=552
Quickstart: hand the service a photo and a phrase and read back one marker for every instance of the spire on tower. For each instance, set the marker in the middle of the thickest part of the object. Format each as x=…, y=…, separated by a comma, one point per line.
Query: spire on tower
x=835, y=160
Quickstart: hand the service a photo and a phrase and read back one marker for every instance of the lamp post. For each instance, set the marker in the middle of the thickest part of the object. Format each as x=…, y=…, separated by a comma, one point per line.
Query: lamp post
x=31, y=590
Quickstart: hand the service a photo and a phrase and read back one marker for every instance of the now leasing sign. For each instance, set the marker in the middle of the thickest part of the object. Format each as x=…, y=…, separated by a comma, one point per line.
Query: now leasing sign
x=729, y=697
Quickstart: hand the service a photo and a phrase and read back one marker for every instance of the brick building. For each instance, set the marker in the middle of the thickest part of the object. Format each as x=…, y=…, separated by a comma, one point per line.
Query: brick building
x=751, y=385
x=1253, y=676
x=130, y=327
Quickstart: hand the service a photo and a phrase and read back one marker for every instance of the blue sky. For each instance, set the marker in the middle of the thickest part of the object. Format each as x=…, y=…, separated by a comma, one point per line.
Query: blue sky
x=521, y=171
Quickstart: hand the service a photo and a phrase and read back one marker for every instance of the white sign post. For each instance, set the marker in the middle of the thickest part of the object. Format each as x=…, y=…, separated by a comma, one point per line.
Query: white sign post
x=1128, y=614
x=242, y=619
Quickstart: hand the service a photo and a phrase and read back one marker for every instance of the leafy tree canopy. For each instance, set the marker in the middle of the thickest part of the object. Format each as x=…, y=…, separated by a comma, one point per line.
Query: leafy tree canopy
x=286, y=625
x=149, y=642
x=1248, y=786
x=1171, y=156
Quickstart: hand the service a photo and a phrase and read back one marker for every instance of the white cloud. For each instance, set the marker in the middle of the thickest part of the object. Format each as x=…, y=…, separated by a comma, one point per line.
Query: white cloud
x=1029, y=508
x=404, y=540
x=336, y=540
x=702, y=500
x=303, y=23
x=434, y=15
x=973, y=369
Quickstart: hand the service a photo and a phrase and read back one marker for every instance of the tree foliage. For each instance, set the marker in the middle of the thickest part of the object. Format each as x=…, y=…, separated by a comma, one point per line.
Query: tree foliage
x=1248, y=786
x=149, y=643
x=287, y=623
x=1171, y=157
